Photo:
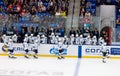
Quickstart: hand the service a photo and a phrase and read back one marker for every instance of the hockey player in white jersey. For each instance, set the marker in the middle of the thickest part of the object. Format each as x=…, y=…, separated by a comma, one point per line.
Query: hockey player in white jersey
x=31, y=42
x=38, y=39
x=105, y=52
x=81, y=40
x=101, y=41
x=31, y=39
x=94, y=40
x=77, y=39
x=88, y=40
x=66, y=40
x=60, y=49
x=14, y=38
x=72, y=39
x=56, y=39
x=35, y=49
x=25, y=47
x=53, y=38
x=43, y=39
x=10, y=48
x=26, y=37
x=4, y=38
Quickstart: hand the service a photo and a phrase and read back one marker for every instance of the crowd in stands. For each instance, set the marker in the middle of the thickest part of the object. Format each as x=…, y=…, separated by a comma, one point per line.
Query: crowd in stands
x=35, y=17
x=31, y=16
x=88, y=18
x=118, y=14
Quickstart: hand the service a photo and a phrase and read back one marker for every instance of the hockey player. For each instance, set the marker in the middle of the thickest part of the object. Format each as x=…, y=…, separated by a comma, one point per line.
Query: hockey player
x=4, y=38
x=31, y=42
x=53, y=38
x=43, y=39
x=72, y=39
x=81, y=40
x=14, y=38
x=60, y=49
x=25, y=47
x=66, y=40
x=105, y=52
x=26, y=37
x=88, y=40
x=35, y=49
x=10, y=49
x=77, y=39
x=38, y=39
x=31, y=39
x=56, y=39
x=101, y=41
x=94, y=40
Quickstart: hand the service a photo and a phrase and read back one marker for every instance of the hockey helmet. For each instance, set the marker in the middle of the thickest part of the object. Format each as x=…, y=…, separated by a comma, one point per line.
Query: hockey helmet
x=72, y=35
x=43, y=35
x=52, y=33
x=76, y=35
x=65, y=36
x=26, y=35
x=31, y=34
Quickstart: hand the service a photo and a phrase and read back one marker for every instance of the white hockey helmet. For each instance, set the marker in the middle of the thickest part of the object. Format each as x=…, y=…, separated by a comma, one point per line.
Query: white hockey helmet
x=76, y=35
x=43, y=35
x=65, y=36
x=4, y=35
x=26, y=35
x=25, y=40
x=72, y=35
x=14, y=35
x=94, y=36
x=31, y=34
x=105, y=43
x=57, y=36
x=38, y=36
x=10, y=40
x=52, y=33
x=59, y=39
x=88, y=36
x=81, y=36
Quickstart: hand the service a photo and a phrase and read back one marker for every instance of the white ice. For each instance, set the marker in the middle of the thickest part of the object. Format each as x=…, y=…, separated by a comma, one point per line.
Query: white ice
x=55, y=67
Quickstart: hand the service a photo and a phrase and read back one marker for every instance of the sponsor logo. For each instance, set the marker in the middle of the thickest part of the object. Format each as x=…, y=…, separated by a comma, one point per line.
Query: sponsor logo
x=18, y=49
x=115, y=51
x=5, y=48
x=92, y=50
x=95, y=51
x=54, y=50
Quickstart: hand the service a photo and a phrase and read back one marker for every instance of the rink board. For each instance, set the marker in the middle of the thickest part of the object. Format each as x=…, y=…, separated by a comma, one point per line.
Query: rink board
x=72, y=51
x=90, y=51
x=43, y=50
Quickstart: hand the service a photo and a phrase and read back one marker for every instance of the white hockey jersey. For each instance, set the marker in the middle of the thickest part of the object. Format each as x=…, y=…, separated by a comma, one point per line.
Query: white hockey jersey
x=14, y=38
x=60, y=45
x=35, y=46
x=10, y=45
x=25, y=46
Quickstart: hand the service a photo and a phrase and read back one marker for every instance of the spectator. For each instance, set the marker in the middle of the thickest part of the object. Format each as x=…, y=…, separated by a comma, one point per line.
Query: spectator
x=118, y=21
x=87, y=14
x=88, y=5
x=72, y=31
x=96, y=33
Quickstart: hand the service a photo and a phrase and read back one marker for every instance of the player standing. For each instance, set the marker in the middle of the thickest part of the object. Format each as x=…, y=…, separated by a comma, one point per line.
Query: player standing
x=10, y=49
x=105, y=52
x=25, y=46
x=35, y=49
x=60, y=49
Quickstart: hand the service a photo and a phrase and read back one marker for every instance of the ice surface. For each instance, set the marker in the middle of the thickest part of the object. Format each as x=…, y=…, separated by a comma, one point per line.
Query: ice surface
x=55, y=67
